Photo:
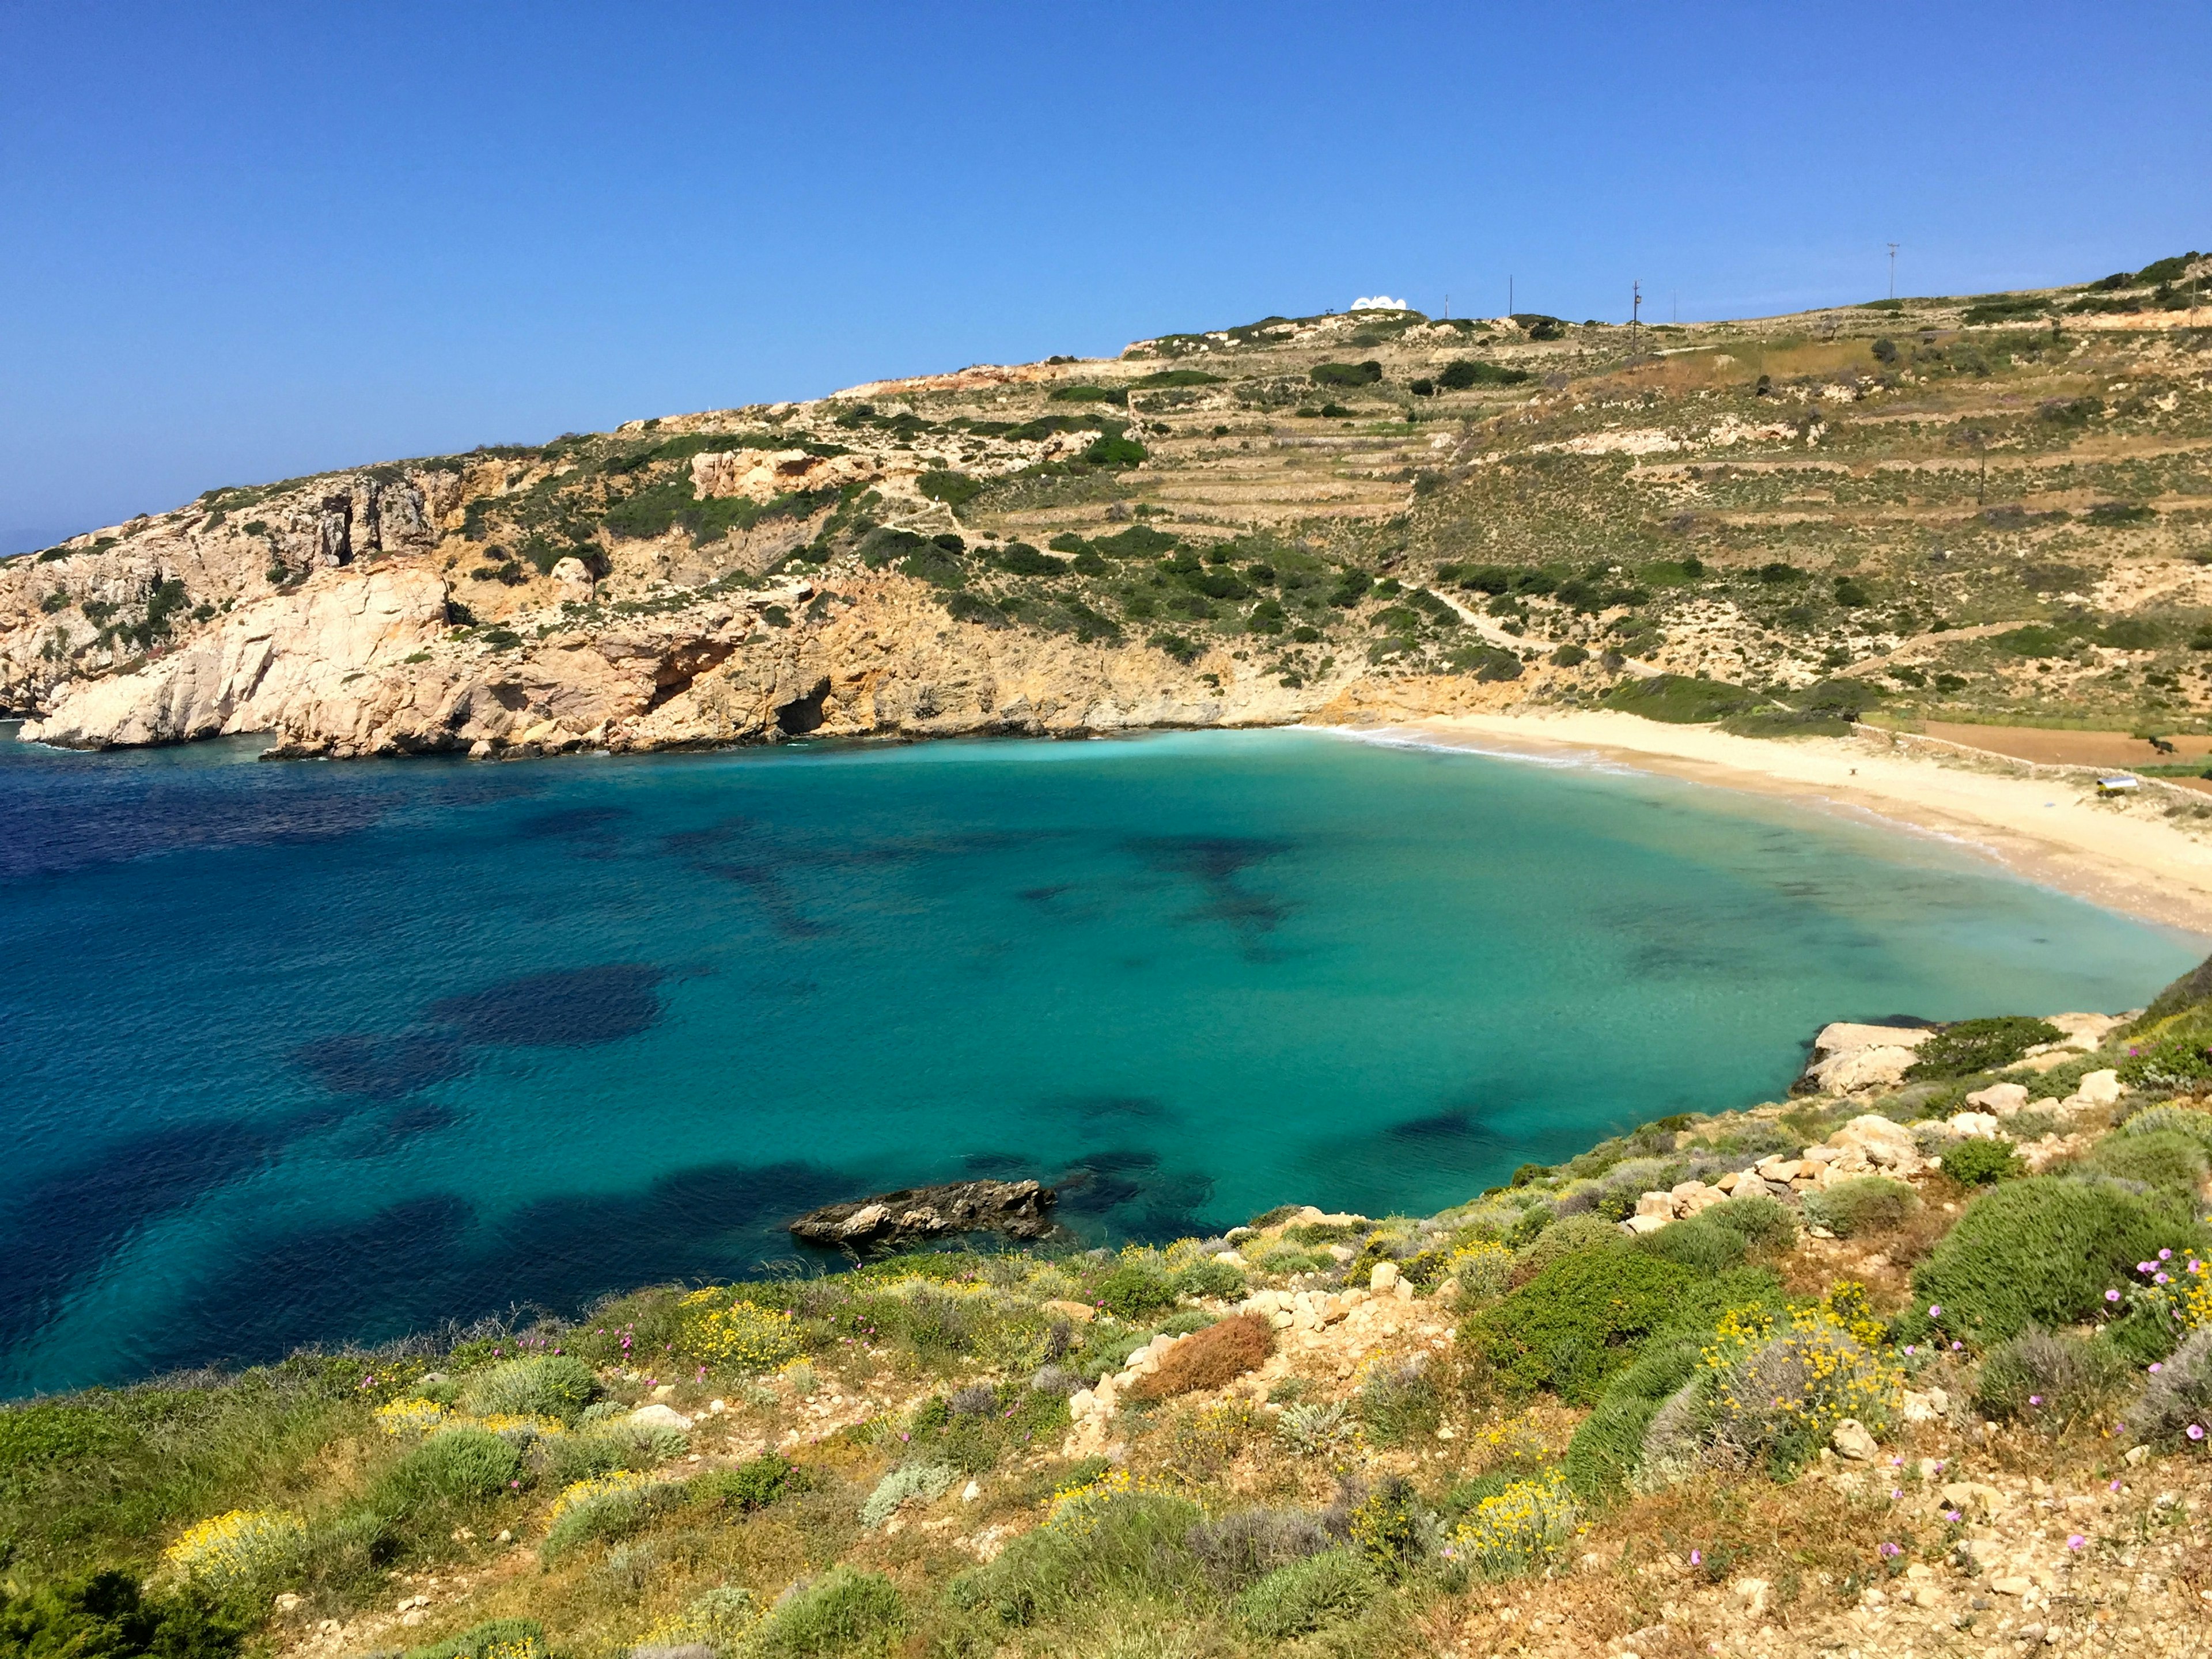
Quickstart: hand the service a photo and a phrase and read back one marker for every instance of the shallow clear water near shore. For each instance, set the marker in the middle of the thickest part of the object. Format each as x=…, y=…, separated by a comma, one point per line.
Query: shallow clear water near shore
x=313, y=1052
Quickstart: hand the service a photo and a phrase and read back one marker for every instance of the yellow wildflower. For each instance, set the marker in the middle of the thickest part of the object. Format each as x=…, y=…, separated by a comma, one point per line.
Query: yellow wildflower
x=402, y=1417
x=1519, y=1529
x=239, y=1549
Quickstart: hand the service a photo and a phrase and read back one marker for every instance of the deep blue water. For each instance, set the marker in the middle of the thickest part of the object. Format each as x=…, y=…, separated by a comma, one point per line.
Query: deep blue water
x=299, y=1052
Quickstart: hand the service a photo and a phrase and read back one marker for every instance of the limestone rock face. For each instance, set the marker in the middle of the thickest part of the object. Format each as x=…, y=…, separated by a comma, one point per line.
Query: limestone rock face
x=361, y=660
x=308, y=659
x=762, y=475
x=1849, y=1059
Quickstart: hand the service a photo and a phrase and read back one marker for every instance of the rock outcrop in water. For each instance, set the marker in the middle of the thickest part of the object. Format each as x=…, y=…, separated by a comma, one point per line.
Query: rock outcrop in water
x=1019, y=1209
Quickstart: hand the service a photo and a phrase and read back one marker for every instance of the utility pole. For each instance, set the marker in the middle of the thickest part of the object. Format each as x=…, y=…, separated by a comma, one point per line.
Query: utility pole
x=1892, y=271
x=1635, y=315
x=1508, y=296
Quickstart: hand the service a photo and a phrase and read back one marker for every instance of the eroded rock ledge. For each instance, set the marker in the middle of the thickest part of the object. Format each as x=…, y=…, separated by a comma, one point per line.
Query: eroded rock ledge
x=1019, y=1209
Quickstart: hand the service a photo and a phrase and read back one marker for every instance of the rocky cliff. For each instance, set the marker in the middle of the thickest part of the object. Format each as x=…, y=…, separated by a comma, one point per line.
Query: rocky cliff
x=1343, y=516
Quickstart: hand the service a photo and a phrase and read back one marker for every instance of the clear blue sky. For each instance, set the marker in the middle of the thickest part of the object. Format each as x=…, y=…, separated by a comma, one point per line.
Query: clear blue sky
x=243, y=241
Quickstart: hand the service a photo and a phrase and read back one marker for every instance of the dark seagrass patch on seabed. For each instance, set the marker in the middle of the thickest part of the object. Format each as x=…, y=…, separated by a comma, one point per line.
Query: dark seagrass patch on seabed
x=415, y=1265
x=1126, y=1192
x=375, y=1067
x=61, y=1226
x=570, y=1008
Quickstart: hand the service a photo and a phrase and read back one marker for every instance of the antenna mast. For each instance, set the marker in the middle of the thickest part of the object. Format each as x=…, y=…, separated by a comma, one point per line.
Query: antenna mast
x=1892, y=271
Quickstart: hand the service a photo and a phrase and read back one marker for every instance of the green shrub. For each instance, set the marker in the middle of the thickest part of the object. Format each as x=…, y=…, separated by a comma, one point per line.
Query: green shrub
x=1397, y=1403
x=1089, y=394
x=1304, y=1596
x=1608, y=1447
x=752, y=1485
x=508, y=1636
x=456, y=1466
x=935, y=565
x=1116, y=450
x=966, y=607
x=1168, y=377
x=106, y=1615
x=1347, y=374
x=1020, y=559
x=635, y=1446
x=1135, y=1290
x=1976, y=1163
x=48, y=1434
x=546, y=1385
x=1391, y=1527
x=1564, y=1238
x=2039, y=1252
x=2052, y=1381
x=1462, y=373
x=1579, y=1321
x=1123, y=1548
x=2169, y=1162
x=1680, y=699
x=1490, y=664
x=954, y=489
x=1700, y=1243
x=2175, y=1060
x=842, y=1611
x=2171, y=1120
x=1863, y=1204
x=605, y=1506
x=1766, y=1223
x=1978, y=1045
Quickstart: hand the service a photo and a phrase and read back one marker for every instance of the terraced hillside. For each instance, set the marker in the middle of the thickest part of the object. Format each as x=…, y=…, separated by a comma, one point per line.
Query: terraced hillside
x=1991, y=508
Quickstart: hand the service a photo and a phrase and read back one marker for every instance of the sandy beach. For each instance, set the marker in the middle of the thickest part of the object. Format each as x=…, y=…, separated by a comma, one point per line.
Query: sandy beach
x=2125, y=854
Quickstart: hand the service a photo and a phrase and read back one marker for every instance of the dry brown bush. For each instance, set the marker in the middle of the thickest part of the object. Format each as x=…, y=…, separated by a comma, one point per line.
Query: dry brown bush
x=1205, y=1359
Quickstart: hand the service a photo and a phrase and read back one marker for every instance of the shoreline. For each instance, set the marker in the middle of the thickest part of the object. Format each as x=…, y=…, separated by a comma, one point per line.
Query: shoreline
x=2040, y=821
x=2052, y=831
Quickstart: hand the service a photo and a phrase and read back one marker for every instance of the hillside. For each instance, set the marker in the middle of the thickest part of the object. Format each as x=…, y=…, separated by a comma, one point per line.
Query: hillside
x=1994, y=509
x=1919, y=1360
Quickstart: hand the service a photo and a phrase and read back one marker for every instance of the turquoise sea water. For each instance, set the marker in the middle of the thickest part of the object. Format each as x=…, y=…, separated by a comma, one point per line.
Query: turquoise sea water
x=302, y=1053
